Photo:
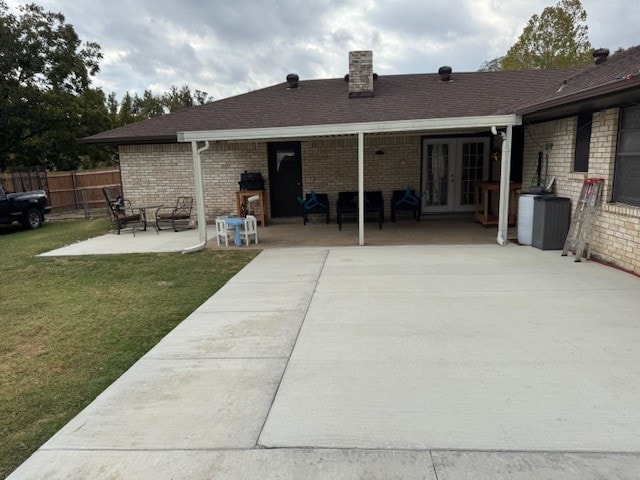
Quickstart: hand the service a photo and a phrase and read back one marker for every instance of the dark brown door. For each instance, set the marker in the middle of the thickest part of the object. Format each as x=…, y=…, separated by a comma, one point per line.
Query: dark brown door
x=285, y=179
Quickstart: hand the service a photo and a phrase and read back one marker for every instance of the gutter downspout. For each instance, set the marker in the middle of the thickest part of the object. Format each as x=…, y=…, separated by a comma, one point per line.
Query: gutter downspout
x=361, y=189
x=202, y=218
x=505, y=174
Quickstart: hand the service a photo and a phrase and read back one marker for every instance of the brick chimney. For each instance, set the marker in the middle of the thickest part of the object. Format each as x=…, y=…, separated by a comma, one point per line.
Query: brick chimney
x=361, y=74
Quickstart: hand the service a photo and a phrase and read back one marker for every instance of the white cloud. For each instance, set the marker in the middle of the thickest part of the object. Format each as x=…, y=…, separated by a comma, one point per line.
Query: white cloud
x=233, y=47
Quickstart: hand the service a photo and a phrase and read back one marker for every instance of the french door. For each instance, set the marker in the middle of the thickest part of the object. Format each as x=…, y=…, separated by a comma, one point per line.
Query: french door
x=450, y=168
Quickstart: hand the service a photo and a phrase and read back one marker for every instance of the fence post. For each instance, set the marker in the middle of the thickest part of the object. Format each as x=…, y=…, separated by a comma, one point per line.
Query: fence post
x=85, y=203
x=74, y=182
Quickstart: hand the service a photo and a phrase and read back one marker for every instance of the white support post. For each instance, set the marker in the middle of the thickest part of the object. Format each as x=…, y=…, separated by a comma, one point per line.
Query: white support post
x=505, y=174
x=199, y=190
x=360, y=188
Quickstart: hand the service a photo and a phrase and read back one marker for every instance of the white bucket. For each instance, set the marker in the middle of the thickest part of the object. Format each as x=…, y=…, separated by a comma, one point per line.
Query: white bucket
x=525, y=219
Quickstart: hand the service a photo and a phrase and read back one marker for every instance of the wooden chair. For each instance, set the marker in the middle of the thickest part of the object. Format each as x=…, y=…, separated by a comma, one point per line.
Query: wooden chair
x=249, y=228
x=119, y=215
x=223, y=232
x=176, y=216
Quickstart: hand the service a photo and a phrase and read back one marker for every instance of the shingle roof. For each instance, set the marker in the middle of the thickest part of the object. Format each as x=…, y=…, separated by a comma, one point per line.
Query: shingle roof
x=619, y=72
x=397, y=97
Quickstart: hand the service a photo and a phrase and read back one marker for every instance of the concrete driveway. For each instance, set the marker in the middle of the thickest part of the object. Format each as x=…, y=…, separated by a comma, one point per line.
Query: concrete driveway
x=425, y=362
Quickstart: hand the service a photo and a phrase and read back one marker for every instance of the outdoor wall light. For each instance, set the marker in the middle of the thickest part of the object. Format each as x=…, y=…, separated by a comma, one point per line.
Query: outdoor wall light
x=379, y=152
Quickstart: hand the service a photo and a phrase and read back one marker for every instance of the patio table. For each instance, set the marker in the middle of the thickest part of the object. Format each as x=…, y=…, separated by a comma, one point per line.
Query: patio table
x=143, y=211
x=236, y=221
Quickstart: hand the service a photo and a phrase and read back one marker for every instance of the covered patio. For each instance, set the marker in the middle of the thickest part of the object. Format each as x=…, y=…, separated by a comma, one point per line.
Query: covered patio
x=457, y=229
x=365, y=175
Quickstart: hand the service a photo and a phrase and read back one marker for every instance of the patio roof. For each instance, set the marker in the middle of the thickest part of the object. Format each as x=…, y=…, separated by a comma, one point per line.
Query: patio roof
x=301, y=131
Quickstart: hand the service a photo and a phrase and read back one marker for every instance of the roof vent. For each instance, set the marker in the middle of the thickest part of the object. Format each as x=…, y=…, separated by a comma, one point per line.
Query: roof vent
x=563, y=86
x=292, y=80
x=600, y=55
x=445, y=73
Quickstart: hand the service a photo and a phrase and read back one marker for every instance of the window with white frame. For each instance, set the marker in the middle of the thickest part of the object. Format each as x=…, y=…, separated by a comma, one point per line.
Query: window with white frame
x=626, y=182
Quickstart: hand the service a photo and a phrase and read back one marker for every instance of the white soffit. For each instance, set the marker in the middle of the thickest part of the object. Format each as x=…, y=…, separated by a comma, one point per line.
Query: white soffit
x=454, y=123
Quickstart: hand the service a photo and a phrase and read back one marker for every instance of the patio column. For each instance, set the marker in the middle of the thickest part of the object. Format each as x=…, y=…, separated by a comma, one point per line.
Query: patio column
x=505, y=180
x=360, y=188
x=199, y=189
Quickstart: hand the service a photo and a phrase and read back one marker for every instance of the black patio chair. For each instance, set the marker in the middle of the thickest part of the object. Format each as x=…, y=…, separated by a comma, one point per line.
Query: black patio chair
x=120, y=214
x=347, y=203
x=177, y=216
x=405, y=201
x=374, y=203
x=314, y=203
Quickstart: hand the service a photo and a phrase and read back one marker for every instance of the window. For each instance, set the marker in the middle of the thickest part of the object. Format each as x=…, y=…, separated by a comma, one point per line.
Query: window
x=626, y=181
x=583, y=138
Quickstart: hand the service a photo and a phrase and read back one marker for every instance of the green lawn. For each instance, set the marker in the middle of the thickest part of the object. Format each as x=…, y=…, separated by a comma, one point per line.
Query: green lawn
x=72, y=325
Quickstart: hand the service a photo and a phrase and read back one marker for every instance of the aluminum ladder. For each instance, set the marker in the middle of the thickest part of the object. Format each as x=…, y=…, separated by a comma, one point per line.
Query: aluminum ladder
x=579, y=237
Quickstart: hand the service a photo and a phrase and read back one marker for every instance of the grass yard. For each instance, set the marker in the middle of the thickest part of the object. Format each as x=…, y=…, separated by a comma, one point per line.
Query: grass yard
x=72, y=325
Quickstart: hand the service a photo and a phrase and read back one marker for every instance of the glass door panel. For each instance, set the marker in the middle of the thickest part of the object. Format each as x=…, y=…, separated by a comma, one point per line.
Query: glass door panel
x=473, y=167
x=437, y=171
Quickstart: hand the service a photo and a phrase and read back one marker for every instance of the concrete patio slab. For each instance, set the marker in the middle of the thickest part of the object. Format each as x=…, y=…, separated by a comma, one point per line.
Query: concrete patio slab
x=290, y=464
x=436, y=362
x=285, y=265
x=177, y=404
x=447, y=331
x=483, y=360
x=232, y=335
x=535, y=466
x=143, y=242
x=262, y=296
x=492, y=281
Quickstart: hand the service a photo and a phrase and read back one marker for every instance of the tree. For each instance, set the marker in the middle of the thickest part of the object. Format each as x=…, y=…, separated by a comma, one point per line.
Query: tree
x=134, y=108
x=494, y=65
x=177, y=99
x=558, y=38
x=45, y=97
x=149, y=105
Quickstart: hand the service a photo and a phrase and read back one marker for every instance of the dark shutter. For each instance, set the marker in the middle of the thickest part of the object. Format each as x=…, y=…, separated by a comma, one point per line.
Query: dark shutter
x=583, y=139
x=626, y=182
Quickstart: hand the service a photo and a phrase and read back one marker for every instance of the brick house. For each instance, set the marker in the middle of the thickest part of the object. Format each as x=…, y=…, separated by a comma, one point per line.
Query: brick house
x=430, y=132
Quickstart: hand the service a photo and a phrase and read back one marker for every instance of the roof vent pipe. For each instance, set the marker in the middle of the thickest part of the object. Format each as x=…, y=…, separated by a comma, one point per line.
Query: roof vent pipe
x=445, y=73
x=600, y=55
x=292, y=80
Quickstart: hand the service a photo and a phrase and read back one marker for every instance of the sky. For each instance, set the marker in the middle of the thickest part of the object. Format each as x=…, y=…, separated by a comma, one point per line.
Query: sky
x=232, y=47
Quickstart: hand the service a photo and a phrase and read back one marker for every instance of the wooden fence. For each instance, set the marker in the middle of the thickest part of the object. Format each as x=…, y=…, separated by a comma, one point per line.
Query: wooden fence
x=76, y=190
